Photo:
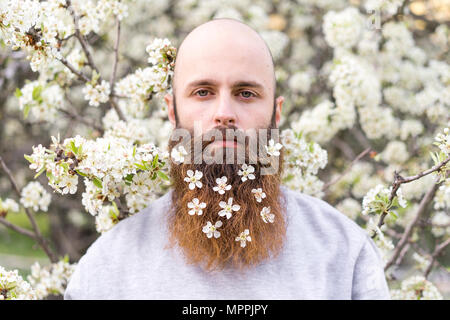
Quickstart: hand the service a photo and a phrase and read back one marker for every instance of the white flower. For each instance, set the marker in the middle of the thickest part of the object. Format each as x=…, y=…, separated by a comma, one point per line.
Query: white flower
x=266, y=215
x=228, y=208
x=222, y=185
x=244, y=237
x=196, y=207
x=273, y=149
x=211, y=230
x=69, y=184
x=34, y=196
x=8, y=205
x=97, y=94
x=51, y=279
x=194, y=179
x=259, y=194
x=416, y=288
x=13, y=287
x=247, y=172
x=178, y=154
x=344, y=28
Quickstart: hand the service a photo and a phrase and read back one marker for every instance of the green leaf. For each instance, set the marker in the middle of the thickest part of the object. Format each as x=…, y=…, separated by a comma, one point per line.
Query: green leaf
x=140, y=166
x=155, y=161
x=29, y=158
x=26, y=110
x=134, y=150
x=39, y=173
x=162, y=175
x=18, y=93
x=81, y=173
x=97, y=182
x=37, y=92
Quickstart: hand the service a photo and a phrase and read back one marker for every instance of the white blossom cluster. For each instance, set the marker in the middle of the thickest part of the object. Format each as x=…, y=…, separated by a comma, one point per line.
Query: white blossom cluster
x=377, y=199
x=111, y=167
x=383, y=242
x=388, y=6
x=141, y=84
x=34, y=196
x=303, y=160
x=440, y=224
x=141, y=131
x=97, y=93
x=343, y=29
x=8, y=205
x=443, y=141
x=40, y=100
x=416, y=288
x=13, y=287
x=52, y=279
x=421, y=261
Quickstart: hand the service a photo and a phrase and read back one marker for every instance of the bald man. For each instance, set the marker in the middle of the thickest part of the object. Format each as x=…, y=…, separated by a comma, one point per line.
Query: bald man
x=228, y=229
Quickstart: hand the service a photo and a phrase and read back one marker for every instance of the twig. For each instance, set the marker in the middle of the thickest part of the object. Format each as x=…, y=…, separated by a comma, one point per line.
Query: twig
x=420, y=210
x=437, y=251
x=398, y=180
x=81, y=119
x=18, y=229
x=80, y=37
x=38, y=236
x=75, y=71
x=361, y=155
x=116, y=58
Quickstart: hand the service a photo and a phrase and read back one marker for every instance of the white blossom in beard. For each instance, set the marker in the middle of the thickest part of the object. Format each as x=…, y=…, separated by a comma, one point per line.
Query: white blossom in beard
x=228, y=208
x=244, y=237
x=178, y=154
x=194, y=179
x=196, y=207
x=259, y=194
x=211, y=230
x=222, y=185
x=273, y=148
x=266, y=215
x=246, y=172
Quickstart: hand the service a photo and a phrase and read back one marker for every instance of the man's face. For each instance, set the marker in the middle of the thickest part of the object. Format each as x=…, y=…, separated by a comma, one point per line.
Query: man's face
x=223, y=81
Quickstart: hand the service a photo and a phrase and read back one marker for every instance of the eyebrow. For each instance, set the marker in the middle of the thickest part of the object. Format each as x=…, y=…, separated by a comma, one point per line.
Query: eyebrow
x=237, y=84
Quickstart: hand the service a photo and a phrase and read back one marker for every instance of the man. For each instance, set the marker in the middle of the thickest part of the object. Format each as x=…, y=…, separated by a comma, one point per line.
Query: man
x=229, y=230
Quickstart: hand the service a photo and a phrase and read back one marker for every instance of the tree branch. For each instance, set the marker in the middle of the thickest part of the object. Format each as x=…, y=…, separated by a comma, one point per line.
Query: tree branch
x=420, y=210
x=18, y=229
x=37, y=234
x=437, y=251
x=361, y=155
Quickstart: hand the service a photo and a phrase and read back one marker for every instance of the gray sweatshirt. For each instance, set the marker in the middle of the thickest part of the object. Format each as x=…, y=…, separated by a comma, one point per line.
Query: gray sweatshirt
x=326, y=256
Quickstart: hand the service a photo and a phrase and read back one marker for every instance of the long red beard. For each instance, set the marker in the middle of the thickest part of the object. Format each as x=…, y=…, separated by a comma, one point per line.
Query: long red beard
x=225, y=252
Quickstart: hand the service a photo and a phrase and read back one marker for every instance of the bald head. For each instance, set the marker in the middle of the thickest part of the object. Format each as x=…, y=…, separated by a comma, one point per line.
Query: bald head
x=220, y=39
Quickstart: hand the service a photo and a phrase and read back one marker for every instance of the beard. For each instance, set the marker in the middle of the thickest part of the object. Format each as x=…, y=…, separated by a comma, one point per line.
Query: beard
x=215, y=253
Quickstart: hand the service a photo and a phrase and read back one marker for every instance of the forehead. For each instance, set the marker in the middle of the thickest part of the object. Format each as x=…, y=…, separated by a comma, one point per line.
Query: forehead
x=227, y=60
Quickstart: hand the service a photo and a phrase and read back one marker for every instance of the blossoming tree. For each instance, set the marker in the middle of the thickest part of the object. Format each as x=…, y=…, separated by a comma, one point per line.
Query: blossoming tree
x=366, y=86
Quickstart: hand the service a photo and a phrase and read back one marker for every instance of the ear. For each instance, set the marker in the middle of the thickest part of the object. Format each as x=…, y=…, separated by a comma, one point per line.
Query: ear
x=279, y=106
x=168, y=98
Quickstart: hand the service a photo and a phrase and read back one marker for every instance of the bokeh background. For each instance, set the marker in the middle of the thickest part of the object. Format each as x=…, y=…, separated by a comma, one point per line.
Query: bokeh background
x=376, y=76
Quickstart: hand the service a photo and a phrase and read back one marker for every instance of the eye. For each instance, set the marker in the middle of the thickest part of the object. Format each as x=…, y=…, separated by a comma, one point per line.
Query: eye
x=203, y=92
x=247, y=94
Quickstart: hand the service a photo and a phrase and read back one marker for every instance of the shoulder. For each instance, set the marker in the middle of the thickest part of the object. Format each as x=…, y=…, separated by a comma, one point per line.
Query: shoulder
x=320, y=220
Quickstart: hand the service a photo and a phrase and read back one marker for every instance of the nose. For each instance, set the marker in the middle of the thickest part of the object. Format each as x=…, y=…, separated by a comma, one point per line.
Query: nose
x=225, y=114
